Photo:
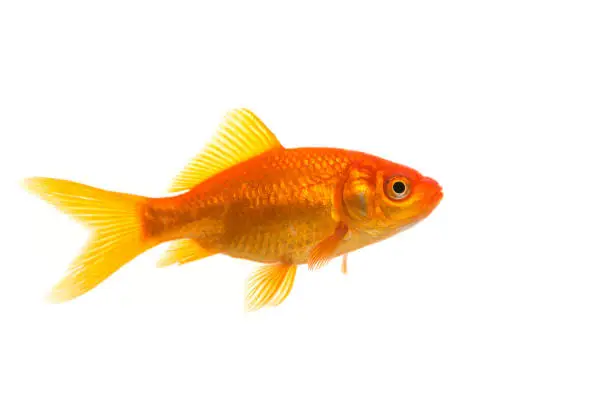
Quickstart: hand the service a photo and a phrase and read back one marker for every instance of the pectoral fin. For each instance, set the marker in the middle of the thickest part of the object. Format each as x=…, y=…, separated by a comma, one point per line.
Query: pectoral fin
x=325, y=250
x=344, y=264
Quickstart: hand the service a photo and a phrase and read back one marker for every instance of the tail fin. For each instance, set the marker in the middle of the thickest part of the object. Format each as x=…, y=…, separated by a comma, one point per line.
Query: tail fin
x=117, y=236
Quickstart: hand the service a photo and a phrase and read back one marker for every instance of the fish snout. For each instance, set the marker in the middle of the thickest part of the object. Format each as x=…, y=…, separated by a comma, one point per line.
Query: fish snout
x=432, y=191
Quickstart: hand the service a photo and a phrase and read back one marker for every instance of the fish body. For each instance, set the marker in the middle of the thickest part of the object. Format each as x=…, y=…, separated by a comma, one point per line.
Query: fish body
x=273, y=208
x=247, y=196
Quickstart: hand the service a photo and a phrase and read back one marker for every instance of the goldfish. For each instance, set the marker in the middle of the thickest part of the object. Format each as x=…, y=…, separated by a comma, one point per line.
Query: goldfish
x=246, y=196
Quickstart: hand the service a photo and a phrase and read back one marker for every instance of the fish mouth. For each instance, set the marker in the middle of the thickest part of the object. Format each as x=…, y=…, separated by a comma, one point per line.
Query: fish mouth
x=437, y=197
x=430, y=204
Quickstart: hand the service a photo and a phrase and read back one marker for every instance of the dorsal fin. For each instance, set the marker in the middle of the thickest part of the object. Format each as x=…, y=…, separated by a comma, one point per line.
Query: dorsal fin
x=240, y=136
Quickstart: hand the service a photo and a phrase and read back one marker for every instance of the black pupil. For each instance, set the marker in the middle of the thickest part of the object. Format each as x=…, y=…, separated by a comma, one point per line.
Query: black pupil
x=399, y=187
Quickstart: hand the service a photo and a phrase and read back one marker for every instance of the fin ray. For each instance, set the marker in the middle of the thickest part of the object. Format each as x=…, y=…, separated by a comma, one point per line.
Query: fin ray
x=117, y=231
x=184, y=251
x=269, y=286
x=325, y=250
x=241, y=136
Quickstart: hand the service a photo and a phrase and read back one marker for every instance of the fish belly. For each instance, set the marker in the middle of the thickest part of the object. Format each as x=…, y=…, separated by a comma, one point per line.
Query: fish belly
x=289, y=241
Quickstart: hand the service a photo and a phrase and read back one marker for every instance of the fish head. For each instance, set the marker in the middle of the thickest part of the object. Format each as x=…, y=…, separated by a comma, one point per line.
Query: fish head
x=383, y=198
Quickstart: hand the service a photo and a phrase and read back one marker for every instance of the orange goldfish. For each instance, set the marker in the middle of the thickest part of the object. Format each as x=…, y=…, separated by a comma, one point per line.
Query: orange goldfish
x=246, y=196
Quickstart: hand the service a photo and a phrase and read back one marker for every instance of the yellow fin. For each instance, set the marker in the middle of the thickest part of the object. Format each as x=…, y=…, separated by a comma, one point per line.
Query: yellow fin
x=241, y=136
x=117, y=231
x=345, y=264
x=325, y=250
x=269, y=286
x=183, y=251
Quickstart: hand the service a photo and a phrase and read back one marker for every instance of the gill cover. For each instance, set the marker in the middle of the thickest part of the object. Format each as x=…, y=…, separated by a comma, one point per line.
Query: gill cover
x=359, y=195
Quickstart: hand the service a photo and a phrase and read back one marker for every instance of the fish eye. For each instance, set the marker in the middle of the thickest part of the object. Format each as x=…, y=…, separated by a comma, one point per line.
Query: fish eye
x=398, y=188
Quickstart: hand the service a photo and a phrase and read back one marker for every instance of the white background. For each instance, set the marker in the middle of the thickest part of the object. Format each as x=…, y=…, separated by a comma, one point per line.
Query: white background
x=502, y=298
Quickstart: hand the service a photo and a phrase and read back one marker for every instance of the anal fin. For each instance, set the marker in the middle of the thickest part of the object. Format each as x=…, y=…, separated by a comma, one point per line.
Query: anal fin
x=184, y=251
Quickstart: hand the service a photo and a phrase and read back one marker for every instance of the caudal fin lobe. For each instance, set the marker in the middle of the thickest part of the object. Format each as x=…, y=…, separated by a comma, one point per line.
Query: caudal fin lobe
x=116, y=224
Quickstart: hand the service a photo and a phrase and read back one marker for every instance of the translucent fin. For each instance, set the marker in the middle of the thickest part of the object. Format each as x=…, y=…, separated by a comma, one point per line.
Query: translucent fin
x=241, y=136
x=345, y=264
x=269, y=286
x=184, y=251
x=117, y=232
x=325, y=250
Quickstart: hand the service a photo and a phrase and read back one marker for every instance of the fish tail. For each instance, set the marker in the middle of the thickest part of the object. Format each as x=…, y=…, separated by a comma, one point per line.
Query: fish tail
x=117, y=231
